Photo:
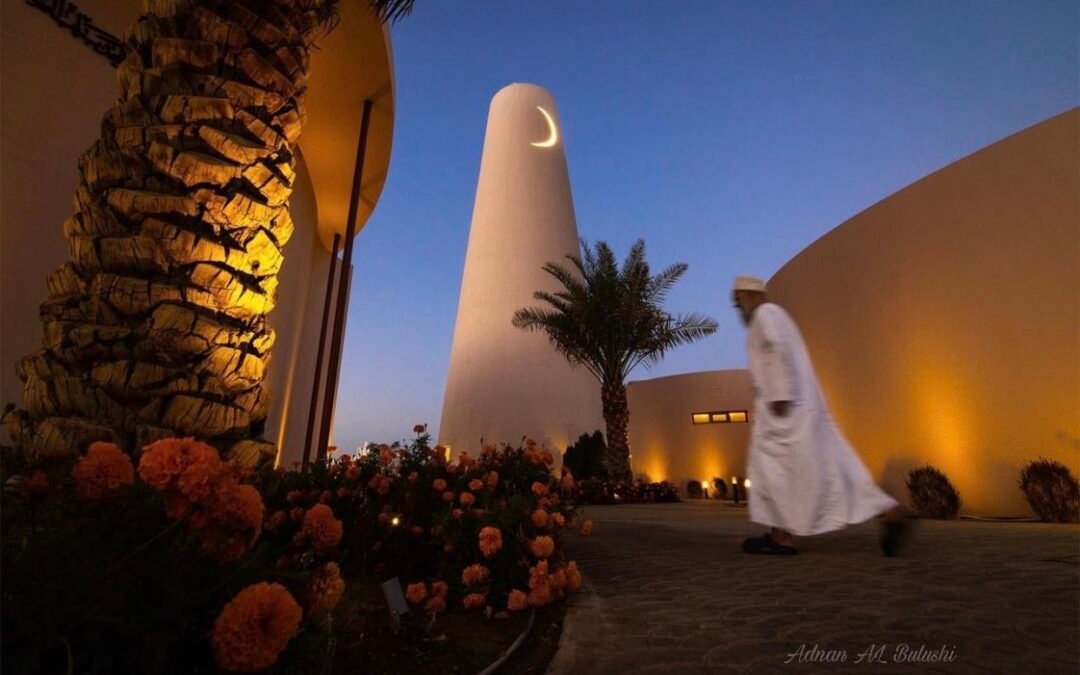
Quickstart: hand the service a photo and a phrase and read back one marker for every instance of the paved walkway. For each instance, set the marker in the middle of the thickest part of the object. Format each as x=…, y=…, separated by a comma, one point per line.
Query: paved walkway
x=668, y=591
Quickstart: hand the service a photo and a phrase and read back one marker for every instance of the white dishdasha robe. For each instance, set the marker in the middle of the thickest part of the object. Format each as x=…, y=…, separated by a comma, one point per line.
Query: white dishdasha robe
x=805, y=478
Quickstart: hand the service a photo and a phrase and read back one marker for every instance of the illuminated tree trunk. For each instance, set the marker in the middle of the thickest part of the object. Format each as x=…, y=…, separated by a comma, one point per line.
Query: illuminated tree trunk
x=157, y=324
x=617, y=419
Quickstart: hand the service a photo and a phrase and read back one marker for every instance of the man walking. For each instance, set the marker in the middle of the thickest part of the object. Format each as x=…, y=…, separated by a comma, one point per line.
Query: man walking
x=807, y=478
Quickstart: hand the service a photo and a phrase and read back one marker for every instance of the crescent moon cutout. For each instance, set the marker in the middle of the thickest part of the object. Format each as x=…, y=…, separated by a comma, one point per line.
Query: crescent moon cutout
x=553, y=136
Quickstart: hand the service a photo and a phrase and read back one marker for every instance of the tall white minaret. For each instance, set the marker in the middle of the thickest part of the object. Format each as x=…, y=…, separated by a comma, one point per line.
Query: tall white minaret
x=504, y=383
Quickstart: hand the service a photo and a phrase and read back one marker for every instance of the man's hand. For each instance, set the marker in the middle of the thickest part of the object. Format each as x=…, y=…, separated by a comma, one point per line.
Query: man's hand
x=780, y=408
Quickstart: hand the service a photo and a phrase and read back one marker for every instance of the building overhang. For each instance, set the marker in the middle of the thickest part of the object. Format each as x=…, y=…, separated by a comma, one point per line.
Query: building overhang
x=353, y=63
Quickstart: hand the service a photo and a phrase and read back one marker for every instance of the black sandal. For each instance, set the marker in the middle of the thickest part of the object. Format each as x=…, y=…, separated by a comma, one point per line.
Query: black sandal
x=765, y=544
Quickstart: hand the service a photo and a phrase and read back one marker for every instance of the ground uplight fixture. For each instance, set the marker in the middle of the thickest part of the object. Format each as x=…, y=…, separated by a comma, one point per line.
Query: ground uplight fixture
x=395, y=521
x=746, y=483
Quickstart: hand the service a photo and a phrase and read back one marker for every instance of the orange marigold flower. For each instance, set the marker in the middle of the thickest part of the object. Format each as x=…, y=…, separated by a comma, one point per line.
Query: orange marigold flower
x=547, y=457
x=517, y=601
x=492, y=480
x=466, y=498
x=416, y=530
x=324, y=529
x=439, y=485
x=478, y=513
x=232, y=520
x=324, y=590
x=539, y=489
x=415, y=593
x=294, y=497
x=573, y=576
x=448, y=496
x=436, y=605
x=586, y=528
x=254, y=628
x=457, y=513
x=557, y=579
x=440, y=589
x=475, y=574
x=197, y=481
x=161, y=462
x=490, y=541
x=474, y=600
x=386, y=455
x=559, y=519
x=419, y=428
x=103, y=472
x=413, y=477
x=540, y=596
x=540, y=519
x=476, y=484
x=568, y=481
x=542, y=547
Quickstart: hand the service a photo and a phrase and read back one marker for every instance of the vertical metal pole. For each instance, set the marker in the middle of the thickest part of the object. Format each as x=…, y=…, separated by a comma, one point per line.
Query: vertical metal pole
x=315, y=387
x=334, y=367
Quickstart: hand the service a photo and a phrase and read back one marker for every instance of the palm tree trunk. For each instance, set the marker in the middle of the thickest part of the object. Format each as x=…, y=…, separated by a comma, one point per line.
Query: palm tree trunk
x=617, y=419
x=157, y=325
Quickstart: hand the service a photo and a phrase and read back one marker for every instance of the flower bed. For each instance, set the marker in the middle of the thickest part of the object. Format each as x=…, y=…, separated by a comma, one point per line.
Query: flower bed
x=186, y=561
x=595, y=491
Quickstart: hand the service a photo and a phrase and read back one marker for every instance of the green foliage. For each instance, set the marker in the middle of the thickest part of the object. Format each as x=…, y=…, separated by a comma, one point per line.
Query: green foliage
x=932, y=495
x=610, y=320
x=1051, y=490
x=585, y=458
x=112, y=588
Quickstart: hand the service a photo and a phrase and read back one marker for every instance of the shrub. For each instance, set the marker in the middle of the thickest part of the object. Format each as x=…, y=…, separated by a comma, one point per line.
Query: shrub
x=619, y=492
x=585, y=458
x=1051, y=490
x=720, y=487
x=932, y=495
x=693, y=489
x=188, y=560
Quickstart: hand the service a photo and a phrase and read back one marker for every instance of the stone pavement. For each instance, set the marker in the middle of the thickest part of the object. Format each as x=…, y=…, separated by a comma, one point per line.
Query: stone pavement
x=667, y=590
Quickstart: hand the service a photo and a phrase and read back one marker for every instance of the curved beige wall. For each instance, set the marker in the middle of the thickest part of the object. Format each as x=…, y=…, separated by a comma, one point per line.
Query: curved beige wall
x=944, y=321
x=503, y=383
x=665, y=445
x=53, y=89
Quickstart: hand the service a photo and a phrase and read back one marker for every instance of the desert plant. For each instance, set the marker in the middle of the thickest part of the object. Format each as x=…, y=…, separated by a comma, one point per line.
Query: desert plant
x=932, y=495
x=1051, y=490
x=610, y=320
x=157, y=325
x=693, y=489
x=585, y=458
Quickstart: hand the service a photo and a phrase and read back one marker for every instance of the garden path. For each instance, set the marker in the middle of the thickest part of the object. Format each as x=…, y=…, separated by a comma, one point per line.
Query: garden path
x=668, y=590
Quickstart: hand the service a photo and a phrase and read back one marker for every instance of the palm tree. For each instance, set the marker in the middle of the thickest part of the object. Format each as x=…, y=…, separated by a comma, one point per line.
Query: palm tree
x=157, y=324
x=610, y=320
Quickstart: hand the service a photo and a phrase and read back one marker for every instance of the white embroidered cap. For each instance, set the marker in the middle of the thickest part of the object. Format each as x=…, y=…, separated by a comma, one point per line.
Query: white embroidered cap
x=749, y=284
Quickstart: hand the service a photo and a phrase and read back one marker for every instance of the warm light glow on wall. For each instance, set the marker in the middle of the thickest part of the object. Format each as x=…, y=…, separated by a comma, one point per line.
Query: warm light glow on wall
x=553, y=135
x=718, y=417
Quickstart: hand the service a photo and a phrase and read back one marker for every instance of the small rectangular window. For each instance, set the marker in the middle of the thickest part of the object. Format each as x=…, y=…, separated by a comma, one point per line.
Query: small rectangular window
x=719, y=417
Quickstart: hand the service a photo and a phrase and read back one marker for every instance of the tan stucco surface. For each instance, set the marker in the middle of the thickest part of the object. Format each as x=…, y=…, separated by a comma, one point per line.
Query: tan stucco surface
x=53, y=89
x=503, y=383
x=944, y=321
x=665, y=445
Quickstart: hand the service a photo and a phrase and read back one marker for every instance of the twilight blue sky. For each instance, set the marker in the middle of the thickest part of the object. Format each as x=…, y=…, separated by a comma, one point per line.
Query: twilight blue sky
x=729, y=135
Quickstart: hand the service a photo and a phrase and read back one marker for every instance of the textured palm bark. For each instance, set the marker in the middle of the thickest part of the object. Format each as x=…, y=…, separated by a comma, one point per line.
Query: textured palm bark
x=617, y=419
x=156, y=326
